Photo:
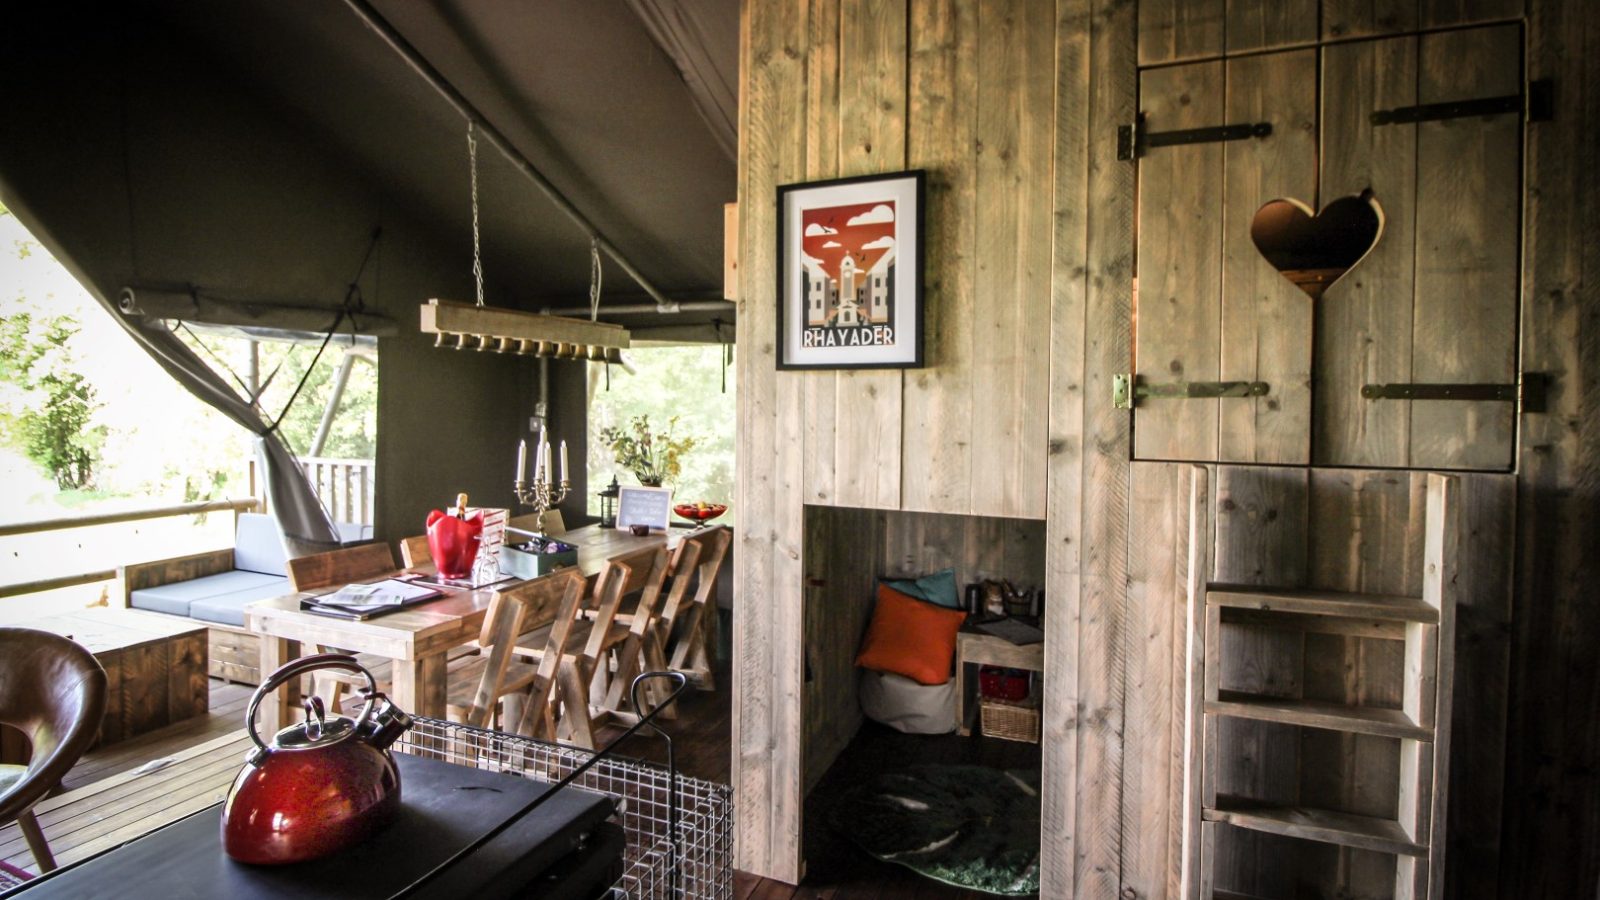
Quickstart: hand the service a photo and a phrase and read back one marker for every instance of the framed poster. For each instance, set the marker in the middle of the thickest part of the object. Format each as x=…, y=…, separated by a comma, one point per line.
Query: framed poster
x=650, y=506
x=850, y=263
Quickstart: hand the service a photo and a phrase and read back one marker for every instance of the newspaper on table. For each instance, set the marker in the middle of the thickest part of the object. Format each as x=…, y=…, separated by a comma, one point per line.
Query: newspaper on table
x=376, y=596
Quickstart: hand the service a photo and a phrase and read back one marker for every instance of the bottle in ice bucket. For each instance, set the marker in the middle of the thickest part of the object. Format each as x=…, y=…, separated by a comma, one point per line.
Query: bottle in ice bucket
x=453, y=539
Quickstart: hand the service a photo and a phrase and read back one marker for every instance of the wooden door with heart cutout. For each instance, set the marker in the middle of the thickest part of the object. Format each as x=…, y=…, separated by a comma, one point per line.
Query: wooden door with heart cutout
x=1436, y=301
x=1291, y=285
x=1209, y=309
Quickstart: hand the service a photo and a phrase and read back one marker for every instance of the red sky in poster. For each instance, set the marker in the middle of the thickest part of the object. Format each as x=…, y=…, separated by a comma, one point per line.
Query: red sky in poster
x=874, y=225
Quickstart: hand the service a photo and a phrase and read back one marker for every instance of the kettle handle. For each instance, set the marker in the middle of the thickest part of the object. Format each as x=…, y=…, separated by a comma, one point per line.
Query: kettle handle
x=297, y=667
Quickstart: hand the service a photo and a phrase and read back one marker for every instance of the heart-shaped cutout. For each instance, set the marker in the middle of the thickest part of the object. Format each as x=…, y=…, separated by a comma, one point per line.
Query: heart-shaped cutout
x=1315, y=250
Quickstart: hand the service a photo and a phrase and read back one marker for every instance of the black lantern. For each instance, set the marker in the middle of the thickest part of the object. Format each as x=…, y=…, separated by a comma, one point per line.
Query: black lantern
x=608, y=504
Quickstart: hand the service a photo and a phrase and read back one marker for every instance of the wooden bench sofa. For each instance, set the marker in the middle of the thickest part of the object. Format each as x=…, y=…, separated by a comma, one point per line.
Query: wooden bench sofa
x=213, y=589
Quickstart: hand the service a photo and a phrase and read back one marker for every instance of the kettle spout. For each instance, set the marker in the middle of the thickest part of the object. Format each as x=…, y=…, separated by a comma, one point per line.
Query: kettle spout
x=388, y=723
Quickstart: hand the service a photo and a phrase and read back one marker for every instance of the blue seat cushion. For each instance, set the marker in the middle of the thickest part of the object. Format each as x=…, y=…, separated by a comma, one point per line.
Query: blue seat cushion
x=228, y=609
x=175, y=599
x=257, y=545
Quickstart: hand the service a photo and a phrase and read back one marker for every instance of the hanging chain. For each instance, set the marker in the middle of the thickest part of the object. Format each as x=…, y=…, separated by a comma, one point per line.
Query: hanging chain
x=477, y=256
x=596, y=275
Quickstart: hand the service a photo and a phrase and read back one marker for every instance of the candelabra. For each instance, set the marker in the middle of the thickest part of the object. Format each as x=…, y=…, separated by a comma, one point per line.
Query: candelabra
x=541, y=495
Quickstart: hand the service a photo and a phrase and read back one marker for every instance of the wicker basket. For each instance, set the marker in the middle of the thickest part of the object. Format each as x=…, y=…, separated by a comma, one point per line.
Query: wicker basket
x=1011, y=720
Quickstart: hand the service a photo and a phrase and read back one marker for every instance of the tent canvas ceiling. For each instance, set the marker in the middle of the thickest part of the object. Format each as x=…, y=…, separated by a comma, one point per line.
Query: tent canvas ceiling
x=578, y=86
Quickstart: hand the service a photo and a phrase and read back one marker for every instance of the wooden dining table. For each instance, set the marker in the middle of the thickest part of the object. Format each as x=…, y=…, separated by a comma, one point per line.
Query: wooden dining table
x=417, y=639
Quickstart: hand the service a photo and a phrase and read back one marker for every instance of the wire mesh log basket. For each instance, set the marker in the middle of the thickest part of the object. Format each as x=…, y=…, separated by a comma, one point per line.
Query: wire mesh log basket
x=698, y=866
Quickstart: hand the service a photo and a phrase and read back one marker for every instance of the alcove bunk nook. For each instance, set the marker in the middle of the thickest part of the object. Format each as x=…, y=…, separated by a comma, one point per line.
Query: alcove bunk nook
x=878, y=746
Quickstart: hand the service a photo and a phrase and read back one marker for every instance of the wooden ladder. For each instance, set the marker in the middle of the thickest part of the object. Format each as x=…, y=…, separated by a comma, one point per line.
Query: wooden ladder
x=1425, y=624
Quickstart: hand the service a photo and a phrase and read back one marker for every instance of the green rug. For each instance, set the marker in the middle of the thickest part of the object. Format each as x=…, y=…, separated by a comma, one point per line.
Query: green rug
x=968, y=826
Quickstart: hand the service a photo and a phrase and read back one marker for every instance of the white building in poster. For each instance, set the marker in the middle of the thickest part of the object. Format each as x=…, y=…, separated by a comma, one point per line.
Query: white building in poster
x=819, y=296
x=876, y=290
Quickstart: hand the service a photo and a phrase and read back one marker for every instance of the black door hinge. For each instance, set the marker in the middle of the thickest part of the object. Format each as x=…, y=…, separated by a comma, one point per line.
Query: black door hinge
x=1128, y=390
x=1133, y=140
x=1537, y=104
x=1529, y=393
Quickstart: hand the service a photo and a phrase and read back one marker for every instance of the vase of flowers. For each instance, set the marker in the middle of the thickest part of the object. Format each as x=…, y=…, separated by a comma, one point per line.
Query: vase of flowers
x=652, y=456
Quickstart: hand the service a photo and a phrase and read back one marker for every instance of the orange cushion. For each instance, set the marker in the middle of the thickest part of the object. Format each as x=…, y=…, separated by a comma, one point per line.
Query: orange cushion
x=910, y=637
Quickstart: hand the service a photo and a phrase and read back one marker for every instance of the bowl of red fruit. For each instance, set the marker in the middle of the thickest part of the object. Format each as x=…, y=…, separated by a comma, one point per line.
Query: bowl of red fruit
x=700, y=512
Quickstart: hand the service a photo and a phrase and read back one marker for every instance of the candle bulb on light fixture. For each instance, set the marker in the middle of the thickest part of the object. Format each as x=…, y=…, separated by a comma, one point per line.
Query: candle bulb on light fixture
x=522, y=460
x=545, y=474
x=563, y=460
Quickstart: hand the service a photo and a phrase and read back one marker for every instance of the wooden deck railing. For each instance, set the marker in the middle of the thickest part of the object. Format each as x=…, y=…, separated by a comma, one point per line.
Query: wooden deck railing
x=345, y=486
x=132, y=515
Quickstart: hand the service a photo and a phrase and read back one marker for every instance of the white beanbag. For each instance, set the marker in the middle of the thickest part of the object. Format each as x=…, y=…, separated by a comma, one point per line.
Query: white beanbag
x=904, y=705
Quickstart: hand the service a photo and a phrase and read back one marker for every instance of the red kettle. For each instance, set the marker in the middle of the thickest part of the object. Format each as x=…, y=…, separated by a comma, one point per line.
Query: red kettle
x=321, y=785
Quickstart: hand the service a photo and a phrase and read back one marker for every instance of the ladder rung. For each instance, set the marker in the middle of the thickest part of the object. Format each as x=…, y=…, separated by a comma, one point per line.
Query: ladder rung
x=1319, y=714
x=1381, y=629
x=1326, y=826
x=1323, y=603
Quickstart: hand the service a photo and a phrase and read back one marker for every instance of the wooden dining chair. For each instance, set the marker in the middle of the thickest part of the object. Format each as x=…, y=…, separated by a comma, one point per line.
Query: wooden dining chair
x=550, y=523
x=338, y=568
x=414, y=551
x=585, y=671
x=582, y=671
x=683, y=624
x=496, y=679
x=642, y=650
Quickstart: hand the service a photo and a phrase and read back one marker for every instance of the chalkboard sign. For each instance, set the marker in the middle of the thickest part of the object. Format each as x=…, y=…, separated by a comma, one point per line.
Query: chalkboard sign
x=644, y=506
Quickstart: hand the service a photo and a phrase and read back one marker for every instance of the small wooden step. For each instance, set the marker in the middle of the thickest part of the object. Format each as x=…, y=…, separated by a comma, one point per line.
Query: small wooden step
x=1388, y=607
x=1326, y=826
x=1318, y=714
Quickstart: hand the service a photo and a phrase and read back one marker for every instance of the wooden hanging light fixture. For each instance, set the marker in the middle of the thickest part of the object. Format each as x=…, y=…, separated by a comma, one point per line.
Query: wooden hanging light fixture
x=462, y=326
x=479, y=327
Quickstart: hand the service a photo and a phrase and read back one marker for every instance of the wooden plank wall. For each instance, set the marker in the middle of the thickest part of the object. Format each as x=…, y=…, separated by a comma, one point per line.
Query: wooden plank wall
x=768, y=669
x=1081, y=840
x=978, y=548
x=1553, y=784
x=837, y=88
x=1105, y=754
x=891, y=86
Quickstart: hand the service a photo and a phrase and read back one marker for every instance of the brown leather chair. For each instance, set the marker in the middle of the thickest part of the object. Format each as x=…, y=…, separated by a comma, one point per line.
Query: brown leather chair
x=54, y=692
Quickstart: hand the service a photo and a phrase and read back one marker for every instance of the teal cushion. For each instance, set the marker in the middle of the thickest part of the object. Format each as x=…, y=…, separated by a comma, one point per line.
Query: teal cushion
x=939, y=588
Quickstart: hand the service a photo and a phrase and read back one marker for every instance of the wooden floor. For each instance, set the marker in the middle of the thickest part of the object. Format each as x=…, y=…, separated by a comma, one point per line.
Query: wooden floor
x=702, y=737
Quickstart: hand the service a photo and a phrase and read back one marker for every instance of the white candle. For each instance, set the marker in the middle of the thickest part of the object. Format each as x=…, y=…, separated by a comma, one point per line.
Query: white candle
x=563, y=460
x=522, y=460
x=542, y=456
